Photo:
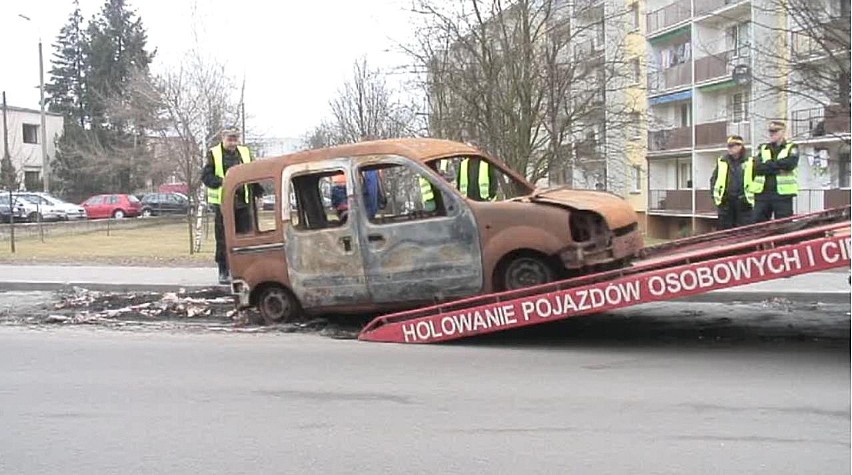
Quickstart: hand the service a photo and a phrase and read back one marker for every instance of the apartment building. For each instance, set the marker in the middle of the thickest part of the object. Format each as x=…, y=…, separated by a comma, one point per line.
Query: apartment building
x=23, y=135
x=608, y=140
x=706, y=80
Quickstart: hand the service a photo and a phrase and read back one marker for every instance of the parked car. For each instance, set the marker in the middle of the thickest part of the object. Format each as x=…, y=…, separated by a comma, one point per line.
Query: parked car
x=268, y=202
x=112, y=206
x=427, y=242
x=20, y=211
x=36, y=206
x=156, y=204
x=72, y=211
x=52, y=208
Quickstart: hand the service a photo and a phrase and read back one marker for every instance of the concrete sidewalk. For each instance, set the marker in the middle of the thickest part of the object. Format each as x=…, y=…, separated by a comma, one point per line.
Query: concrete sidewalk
x=827, y=287
x=108, y=278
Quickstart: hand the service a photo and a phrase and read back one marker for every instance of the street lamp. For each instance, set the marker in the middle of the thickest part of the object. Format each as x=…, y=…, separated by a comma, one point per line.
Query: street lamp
x=45, y=164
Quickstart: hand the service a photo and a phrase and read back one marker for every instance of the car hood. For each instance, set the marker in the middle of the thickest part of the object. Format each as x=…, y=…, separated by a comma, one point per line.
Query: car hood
x=617, y=212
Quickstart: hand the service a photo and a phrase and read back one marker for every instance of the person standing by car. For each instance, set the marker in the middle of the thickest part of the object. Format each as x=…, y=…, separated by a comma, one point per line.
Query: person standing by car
x=729, y=185
x=776, y=180
x=220, y=158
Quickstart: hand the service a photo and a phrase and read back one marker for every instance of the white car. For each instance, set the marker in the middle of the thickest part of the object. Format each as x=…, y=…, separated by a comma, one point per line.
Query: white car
x=71, y=210
x=34, y=204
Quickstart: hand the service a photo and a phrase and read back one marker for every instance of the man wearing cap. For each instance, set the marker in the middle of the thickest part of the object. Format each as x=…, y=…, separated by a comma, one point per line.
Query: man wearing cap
x=220, y=158
x=775, y=181
x=729, y=185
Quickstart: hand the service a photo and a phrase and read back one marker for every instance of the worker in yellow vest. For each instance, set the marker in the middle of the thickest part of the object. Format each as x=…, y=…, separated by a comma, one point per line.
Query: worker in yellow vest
x=476, y=180
x=729, y=185
x=776, y=181
x=220, y=159
x=427, y=192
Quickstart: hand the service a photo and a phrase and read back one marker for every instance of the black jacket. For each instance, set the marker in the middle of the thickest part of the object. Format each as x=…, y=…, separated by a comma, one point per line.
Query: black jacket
x=734, y=181
x=771, y=168
x=229, y=159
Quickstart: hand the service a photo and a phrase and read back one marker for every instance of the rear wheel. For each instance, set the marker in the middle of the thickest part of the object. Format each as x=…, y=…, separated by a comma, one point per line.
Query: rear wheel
x=525, y=271
x=147, y=212
x=118, y=214
x=34, y=217
x=277, y=305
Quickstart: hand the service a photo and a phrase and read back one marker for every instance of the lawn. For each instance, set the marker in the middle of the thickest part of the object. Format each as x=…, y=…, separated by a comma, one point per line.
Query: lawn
x=161, y=244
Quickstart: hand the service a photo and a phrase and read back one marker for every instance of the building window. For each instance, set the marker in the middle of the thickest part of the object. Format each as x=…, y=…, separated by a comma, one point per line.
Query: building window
x=32, y=180
x=634, y=15
x=684, y=176
x=739, y=107
x=738, y=39
x=637, y=70
x=685, y=115
x=637, y=179
x=843, y=170
x=30, y=133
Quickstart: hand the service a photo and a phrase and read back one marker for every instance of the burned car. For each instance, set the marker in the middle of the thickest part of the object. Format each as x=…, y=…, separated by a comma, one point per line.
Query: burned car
x=382, y=226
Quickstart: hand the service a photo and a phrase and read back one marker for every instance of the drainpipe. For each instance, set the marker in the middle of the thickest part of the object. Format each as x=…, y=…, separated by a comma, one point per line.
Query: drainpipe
x=692, y=34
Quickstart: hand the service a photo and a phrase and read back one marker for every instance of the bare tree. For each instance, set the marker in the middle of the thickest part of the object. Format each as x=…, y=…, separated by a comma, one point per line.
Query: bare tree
x=198, y=98
x=365, y=108
x=526, y=80
x=802, y=62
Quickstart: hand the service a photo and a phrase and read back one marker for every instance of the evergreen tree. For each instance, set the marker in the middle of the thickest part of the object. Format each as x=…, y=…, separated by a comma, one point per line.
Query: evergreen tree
x=65, y=89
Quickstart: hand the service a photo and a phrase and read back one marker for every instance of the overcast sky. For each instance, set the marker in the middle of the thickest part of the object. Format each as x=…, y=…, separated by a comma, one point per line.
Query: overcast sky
x=294, y=54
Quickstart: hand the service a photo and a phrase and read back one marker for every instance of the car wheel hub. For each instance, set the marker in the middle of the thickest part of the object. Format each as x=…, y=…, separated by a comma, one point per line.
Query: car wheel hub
x=527, y=273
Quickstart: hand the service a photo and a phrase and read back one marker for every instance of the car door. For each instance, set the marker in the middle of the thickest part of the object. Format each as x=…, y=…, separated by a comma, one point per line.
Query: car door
x=324, y=258
x=416, y=249
x=93, y=207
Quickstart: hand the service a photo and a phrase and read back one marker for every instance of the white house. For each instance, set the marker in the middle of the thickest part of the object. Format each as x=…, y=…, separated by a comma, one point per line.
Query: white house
x=23, y=129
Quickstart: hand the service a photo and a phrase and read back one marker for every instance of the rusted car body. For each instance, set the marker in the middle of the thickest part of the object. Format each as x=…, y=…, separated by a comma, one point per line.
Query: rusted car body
x=307, y=261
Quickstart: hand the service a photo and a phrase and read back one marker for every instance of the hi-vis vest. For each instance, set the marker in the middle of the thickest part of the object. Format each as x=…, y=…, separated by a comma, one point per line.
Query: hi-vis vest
x=426, y=193
x=722, y=180
x=483, y=180
x=787, y=182
x=214, y=195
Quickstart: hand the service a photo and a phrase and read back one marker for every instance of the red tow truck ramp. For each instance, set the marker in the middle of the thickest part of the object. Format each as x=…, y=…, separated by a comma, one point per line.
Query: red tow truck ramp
x=757, y=253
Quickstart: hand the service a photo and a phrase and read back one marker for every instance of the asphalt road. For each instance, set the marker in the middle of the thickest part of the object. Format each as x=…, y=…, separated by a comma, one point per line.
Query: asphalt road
x=94, y=400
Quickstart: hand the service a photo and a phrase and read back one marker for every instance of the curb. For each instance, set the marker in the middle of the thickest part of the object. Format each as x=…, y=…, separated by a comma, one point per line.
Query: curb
x=734, y=296
x=103, y=287
x=724, y=296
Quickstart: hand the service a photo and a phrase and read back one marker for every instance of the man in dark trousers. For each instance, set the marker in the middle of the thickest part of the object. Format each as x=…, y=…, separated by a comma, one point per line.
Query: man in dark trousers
x=729, y=185
x=776, y=180
x=220, y=158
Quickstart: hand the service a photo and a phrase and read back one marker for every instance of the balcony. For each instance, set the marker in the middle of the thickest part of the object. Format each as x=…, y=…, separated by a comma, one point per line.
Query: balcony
x=671, y=139
x=709, y=6
x=715, y=134
x=831, y=36
x=591, y=47
x=670, y=78
x=715, y=66
x=679, y=202
x=669, y=15
x=810, y=201
x=821, y=121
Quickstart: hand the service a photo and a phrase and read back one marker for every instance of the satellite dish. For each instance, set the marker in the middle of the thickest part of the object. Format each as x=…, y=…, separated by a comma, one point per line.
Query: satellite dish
x=741, y=74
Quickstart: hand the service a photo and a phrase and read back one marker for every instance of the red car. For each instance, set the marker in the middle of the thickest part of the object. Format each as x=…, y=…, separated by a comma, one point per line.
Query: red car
x=112, y=206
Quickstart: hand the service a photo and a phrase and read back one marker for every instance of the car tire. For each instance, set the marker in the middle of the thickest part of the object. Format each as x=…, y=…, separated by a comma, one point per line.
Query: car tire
x=525, y=271
x=35, y=217
x=277, y=305
x=147, y=213
x=118, y=214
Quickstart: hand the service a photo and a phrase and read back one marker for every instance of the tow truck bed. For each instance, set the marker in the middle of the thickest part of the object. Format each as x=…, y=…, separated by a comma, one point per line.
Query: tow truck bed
x=690, y=266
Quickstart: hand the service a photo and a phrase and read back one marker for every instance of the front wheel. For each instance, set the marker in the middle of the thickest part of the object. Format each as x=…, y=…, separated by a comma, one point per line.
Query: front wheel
x=34, y=217
x=118, y=214
x=526, y=271
x=147, y=213
x=277, y=305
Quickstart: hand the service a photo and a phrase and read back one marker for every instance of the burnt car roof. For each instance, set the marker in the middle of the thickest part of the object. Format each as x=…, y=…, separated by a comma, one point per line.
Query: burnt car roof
x=421, y=149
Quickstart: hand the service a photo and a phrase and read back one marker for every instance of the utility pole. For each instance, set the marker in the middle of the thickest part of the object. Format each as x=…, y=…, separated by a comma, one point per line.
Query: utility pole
x=7, y=161
x=45, y=162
